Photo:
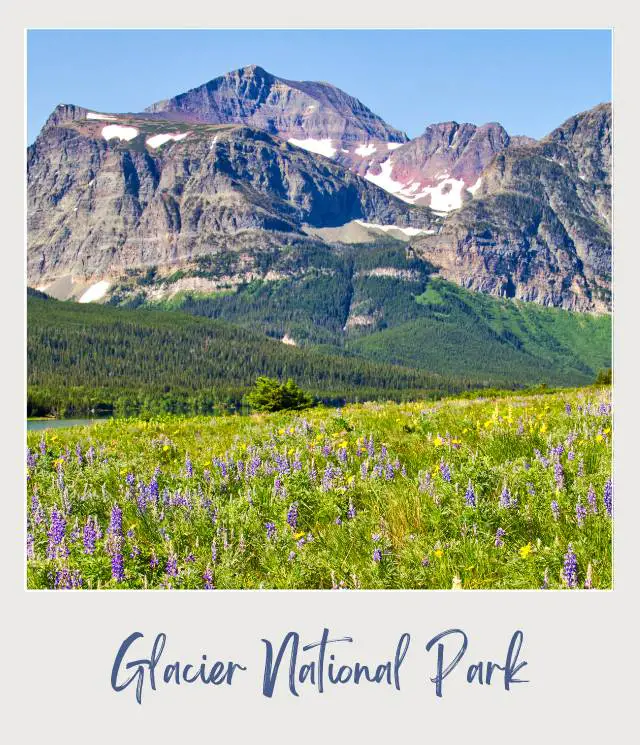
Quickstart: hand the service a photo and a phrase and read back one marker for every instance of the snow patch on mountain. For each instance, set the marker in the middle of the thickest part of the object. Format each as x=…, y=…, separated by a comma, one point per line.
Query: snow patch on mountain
x=394, y=145
x=364, y=150
x=473, y=189
x=386, y=228
x=119, y=132
x=321, y=147
x=93, y=115
x=157, y=140
x=95, y=292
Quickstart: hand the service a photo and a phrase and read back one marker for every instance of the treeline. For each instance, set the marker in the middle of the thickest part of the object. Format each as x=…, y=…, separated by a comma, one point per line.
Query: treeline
x=85, y=358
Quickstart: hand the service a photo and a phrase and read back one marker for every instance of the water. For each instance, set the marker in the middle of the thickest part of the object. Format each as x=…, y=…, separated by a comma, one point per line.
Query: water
x=38, y=424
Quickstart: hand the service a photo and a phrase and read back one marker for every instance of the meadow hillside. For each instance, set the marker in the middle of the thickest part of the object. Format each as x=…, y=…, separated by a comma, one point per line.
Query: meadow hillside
x=501, y=493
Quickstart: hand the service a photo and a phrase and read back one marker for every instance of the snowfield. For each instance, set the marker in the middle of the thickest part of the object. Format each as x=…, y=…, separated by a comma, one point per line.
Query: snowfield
x=119, y=132
x=364, y=150
x=156, y=141
x=321, y=147
x=95, y=292
x=386, y=228
x=93, y=115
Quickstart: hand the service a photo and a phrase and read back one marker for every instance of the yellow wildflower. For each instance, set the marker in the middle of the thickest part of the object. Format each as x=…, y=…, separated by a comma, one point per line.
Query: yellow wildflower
x=298, y=535
x=599, y=438
x=525, y=551
x=165, y=448
x=439, y=553
x=437, y=441
x=543, y=428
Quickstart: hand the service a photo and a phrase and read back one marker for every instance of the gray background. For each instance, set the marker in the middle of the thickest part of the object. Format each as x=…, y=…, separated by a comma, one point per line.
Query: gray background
x=581, y=646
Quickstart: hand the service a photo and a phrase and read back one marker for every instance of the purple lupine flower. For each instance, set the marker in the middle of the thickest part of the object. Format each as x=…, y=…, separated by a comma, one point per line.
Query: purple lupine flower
x=214, y=551
x=424, y=481
x=581, y=513
x=115, y=525
x=351, y=512
x=571, y=455
x=545, y=580
x=592, y=499
x=505, y=498
x=608, y=497
x=154, y=489
x=389, y=472
x=130, y=480
x=376, y=537
x=520, y=430
x=567, y=408
x=30, y=551
x=292, y=555
x=278, y=487
x=43, y=446
x=91, y=454
x=470, y=495
x=271, y=530
x=326, y=450
x=445, y=471
x=60, y=477
x=89, y=536
x=570, y=568
x=555, y=509
x=153, y=560
x=190, y=558
x=57, y=527
x=425, y=562
x=67, y=579
x=581, y=468
x=371, y=450
x=207, y=578
x=171, y=567
x=500, y=534
x=297, y=465
x=79, y=454
x=377, y=555
x=338, y=520
x=558, y=475
x=342, y=455
x=31, y=459
x=117, y=566
x=292, y=516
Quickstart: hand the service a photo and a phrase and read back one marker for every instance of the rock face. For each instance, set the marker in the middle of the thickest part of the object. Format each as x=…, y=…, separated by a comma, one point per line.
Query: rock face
x=538, y=227
x=433, y=169
x=110, y=192
x=441, y=168
x=290, y=109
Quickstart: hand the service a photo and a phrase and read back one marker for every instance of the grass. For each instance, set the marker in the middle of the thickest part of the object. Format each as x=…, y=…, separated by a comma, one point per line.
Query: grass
x=370, y=496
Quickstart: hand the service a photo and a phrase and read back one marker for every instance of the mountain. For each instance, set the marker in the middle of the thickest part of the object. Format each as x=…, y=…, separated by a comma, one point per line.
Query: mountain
x=287, y=108
x=108, y=193
x=434, y=169
x=539, y=225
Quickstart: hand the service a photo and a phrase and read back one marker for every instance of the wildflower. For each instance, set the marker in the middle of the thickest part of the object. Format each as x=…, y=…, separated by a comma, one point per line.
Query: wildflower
x=439, y=553
x=581, y=469
x=67, y=579
x=115, y=525
x=271, y=530
x=545, y=580
x=207, y=578
x=425, y=561
x=292, y=555
x=558, y=475
x=30, y=551
x=214, y=551
x=470, y=496
x=117, y=566
x=351, y=511
x=153, y=560
x=338, y=520
x=608, y=497
x=89, y=536
x=377, y=555
x=188, y=466
x=524, y=551
x=171, y=567
x=292, y=516
x=56, y=532
x=437, y=441
x=376, y=537
x=567, y=408
x=581, y=513
x=555, y=509
x=506, y=501
x=445, y=471
x=570, y=568
x=500, y=534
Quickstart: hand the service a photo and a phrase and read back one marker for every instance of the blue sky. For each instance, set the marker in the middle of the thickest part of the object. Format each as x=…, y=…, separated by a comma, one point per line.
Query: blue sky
x=529, y=81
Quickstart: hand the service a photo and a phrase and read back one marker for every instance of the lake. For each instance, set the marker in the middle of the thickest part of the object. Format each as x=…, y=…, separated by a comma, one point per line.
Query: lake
x=37, y=424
